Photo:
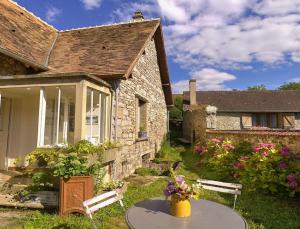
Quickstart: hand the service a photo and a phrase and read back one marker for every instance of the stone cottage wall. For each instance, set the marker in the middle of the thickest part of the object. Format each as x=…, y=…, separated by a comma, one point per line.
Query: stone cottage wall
x=228, y=121
x=145, y=83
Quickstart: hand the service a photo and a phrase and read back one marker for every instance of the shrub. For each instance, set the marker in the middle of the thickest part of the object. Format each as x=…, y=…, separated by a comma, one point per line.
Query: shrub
x=262, y=166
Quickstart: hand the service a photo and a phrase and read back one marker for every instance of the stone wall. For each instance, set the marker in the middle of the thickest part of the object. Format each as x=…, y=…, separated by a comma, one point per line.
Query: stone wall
x=228, y=121
x=145, y=83
x=194, y=124
x=289, y=138
x=9, y=66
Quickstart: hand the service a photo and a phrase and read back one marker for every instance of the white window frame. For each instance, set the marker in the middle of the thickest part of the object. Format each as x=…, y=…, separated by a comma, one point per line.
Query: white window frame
x=42, y=119
x=90, y=136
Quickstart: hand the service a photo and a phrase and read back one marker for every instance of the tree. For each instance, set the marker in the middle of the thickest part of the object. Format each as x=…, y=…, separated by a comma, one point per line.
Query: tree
x=177, y=110
x=290, y=86
x=257, y=88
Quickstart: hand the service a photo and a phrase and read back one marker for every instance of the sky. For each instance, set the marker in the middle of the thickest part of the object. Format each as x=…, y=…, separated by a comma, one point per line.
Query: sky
x=223, y=44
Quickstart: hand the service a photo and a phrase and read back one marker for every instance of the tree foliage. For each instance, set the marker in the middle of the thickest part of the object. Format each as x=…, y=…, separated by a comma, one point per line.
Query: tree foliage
x=290, y=86
x=176, y=111
x=257, y=88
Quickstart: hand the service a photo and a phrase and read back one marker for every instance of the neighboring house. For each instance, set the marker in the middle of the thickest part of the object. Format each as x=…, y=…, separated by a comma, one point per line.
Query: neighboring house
x=246, y=110
x=103, y=83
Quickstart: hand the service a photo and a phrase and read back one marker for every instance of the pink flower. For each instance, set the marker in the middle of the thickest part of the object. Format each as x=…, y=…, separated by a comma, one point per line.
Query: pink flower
x=179, y=179
x=282, y=165
x=284, y=151
x=201, y=150
x=238, y=165
x=244, y=158
x=228, y=147
x=216, y=140
x=291, y=177
x=265, y=154
x=294, y=185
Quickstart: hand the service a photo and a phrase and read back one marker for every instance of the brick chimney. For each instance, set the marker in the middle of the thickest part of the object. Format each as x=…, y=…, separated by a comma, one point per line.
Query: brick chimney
x=193, y=92
x=138, y=16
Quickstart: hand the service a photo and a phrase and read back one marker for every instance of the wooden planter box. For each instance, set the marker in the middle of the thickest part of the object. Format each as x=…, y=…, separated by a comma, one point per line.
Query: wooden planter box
x=73, y=192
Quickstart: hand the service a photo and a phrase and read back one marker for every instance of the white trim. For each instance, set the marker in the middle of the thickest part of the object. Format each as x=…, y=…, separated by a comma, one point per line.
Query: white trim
x=66, y=120
x=42, y=114
x=57, y=116
x=91, y=114
x=106, y=119
x=99, y=119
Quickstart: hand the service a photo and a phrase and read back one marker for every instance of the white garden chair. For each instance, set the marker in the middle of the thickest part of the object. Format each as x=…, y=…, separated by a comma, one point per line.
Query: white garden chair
x=218, y=186
x=101, y=201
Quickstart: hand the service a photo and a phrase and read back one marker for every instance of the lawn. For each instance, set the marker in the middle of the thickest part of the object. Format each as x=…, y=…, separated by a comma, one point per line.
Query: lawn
x=260, y=210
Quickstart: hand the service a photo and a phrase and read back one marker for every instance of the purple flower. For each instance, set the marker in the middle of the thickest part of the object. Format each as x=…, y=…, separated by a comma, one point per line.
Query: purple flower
x=291, y=177
x=294, y=185
x=170, y=189
x=284, y=151
x=282, y=165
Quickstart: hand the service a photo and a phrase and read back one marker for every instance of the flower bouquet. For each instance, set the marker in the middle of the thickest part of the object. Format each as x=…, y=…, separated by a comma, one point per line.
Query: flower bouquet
x=180, y=193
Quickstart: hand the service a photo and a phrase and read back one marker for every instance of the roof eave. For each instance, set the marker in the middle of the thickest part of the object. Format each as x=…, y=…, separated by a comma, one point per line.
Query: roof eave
x=22, y=59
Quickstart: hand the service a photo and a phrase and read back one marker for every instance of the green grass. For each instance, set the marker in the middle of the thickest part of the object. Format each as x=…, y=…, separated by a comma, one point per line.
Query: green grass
x=260, y=210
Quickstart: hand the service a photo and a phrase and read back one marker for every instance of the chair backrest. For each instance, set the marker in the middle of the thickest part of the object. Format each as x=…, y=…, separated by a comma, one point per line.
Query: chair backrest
x=101, y=201
x=218, y=186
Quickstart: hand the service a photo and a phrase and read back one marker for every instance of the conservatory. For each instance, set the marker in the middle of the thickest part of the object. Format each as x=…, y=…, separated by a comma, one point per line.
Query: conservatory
x=50, y=110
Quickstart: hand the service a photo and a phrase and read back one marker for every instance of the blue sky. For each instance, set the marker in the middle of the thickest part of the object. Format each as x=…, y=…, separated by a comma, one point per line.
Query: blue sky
x=228, y=44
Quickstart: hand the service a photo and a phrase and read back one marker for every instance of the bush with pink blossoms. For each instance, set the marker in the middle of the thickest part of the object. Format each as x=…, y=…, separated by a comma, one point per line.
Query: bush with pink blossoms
x=263, y=166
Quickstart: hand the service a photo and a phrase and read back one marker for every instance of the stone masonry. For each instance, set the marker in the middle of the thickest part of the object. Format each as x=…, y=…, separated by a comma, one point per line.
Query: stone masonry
x=6, y=68
x=145, y=84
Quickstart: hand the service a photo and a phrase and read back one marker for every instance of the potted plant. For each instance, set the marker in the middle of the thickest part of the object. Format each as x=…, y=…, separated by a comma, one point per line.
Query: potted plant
x=180, y=193
x=73, y=168
x=142, y=133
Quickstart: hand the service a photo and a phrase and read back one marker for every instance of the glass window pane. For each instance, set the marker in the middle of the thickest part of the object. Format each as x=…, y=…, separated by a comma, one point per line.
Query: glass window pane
x=95, y=118
x=273, y=120
x=51, y=95
x=103, y=118
x=88, y=114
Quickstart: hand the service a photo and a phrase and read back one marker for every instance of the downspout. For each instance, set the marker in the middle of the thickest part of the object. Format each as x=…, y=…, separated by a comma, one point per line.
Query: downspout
x=116, y=89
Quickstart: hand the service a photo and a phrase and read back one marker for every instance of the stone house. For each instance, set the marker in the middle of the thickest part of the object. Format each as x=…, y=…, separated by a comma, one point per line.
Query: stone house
x=242, y=111
x=102, y=83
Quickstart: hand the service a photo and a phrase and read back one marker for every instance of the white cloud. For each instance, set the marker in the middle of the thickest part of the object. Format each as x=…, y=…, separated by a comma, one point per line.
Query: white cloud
x=52, y=13
x=91, y=4
x=231, y=34
x=207, y=79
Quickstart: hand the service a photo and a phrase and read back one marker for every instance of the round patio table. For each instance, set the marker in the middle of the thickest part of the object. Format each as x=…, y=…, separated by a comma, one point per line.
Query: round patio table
x=155, y=214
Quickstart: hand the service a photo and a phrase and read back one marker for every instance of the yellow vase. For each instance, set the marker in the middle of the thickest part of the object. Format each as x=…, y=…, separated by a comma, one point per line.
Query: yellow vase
x=180, y=207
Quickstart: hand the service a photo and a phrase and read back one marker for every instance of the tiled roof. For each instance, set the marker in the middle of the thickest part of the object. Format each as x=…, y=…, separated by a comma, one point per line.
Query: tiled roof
x=249, y=101
x=23, y=34
x=104, y=50
x=109, y=51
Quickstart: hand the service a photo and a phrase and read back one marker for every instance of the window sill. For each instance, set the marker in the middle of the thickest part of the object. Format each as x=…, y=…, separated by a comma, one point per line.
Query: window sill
x=141, y=139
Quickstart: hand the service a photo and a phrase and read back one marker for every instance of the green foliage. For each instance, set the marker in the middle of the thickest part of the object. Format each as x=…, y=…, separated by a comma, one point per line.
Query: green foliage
x=176, y=112
x=42, y=156
x=112, y=185
x=146, y=172
x=263, y=166
x=290, y=86
x=74, y=160
x=257, y=88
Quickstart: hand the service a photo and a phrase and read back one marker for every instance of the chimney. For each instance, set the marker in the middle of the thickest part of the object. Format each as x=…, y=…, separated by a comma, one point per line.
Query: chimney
x=193, y=92
x=138, y=16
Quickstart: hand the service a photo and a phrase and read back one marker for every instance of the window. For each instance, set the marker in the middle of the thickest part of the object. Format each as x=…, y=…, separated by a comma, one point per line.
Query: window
x=56, y=115
x=97, y=117
x=141, y=118
x=297, y=116
x=265, y=120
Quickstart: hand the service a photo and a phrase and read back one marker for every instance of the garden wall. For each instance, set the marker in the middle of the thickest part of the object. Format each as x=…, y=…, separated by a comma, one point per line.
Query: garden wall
x=194, y=124
x=288, y=138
